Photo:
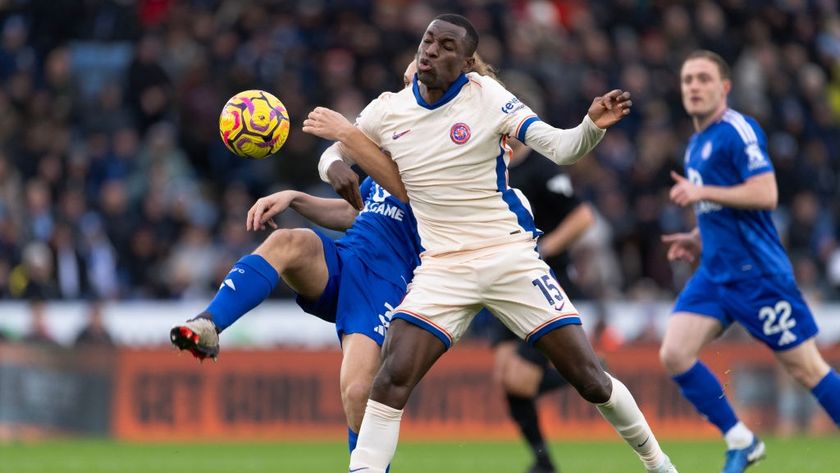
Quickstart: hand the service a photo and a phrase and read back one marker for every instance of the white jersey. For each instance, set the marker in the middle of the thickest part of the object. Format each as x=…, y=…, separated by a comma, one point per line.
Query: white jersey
x=453, y=159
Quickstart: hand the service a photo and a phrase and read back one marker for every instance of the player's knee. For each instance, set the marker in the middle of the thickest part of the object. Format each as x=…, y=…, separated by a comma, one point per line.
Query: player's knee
x=675, y=360
x=355, y=394
x=521, y=380
x=807, y=374
x=276, y=242
x=392, y=387
x=596, y=389
x=286, y=244
x=520, y=390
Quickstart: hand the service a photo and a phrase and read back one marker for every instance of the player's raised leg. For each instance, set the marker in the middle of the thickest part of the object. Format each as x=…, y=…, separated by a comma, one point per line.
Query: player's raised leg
x=296, y=255
x=399, y=373
x=569, y=349
x=807, y=366
x=686, y=335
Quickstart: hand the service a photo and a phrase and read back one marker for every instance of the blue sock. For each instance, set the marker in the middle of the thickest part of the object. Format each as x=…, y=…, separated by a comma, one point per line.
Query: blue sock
x=702, y=389
x=247, y=284
x=827, y=392
x=352, y=438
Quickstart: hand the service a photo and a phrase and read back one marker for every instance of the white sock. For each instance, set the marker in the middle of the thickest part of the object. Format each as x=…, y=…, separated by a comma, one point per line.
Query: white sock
x=377, y=438
x=738, y=437
x=622, y=412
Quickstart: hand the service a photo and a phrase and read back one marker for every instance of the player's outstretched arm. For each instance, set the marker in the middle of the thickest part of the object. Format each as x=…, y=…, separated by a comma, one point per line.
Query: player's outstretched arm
x=331, y=125
x=335, y=214
x=568, y=146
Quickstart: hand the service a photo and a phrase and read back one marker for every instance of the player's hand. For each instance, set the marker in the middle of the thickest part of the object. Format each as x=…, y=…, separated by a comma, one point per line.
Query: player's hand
x=683, y=247
x=345, y=181
x=608, y=109
x=264, y=209
x=685, y=192
x=327, y=124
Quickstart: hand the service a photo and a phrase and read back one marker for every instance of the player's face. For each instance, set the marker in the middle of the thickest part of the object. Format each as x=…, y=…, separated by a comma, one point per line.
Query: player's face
x=441, y=56
x=703, y=90
x=409, y=72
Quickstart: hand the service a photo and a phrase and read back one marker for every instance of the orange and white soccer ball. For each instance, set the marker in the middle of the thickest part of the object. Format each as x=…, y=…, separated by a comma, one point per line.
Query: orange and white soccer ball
x=254, y=124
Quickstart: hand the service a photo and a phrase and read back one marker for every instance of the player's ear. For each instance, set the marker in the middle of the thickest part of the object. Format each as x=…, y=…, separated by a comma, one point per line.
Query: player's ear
x=727, y=86
x=469, y=63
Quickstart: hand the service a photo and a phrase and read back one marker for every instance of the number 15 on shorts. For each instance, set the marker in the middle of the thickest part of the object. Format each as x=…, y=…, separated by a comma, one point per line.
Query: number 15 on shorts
x=551, y=290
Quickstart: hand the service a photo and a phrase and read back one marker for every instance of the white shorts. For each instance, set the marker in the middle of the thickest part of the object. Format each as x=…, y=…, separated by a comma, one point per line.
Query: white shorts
x=510, y=280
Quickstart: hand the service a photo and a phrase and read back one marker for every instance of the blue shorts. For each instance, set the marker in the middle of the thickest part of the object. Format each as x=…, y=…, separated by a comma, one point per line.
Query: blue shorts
x=771, y=308
x=355, y=299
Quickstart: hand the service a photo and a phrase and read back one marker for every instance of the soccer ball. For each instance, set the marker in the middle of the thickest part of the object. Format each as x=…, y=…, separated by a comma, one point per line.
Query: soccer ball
x=254, y=124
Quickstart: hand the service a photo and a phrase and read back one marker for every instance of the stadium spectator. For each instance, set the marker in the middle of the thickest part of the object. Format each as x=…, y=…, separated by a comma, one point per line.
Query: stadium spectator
x=69, y=263
x=38, y=333
x=94, y=333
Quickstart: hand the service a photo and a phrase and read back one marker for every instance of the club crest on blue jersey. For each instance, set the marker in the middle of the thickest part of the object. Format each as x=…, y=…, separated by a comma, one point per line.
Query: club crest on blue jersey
x=460, y=133
x=707, y=150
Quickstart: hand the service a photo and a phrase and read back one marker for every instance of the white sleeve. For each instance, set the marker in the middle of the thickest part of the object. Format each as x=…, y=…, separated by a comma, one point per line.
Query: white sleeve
x=369, y=122
x=517, y=120
x=563, y=146
x=329, y=156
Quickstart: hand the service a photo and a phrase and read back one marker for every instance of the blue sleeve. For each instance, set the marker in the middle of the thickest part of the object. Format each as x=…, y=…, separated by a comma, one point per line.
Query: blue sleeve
x=748, y=148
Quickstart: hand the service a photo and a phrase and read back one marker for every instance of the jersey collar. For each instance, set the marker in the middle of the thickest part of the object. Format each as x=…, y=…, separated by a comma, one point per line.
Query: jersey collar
x=447, y=97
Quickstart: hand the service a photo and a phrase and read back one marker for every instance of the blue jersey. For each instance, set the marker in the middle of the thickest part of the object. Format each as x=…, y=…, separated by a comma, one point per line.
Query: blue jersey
x=737, y=244
x=384, y=236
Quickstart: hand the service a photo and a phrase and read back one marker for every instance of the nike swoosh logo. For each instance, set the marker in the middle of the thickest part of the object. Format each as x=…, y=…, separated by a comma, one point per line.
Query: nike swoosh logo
x=396, y=136
x=643, y=443
x=358, y=469
x=558, y=309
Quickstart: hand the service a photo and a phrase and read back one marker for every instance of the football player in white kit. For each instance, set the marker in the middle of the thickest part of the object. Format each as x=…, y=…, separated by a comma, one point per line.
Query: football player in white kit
x=447, y=135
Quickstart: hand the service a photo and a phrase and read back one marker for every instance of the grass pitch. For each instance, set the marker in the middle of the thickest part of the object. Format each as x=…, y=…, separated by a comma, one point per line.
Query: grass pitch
x=800, y=455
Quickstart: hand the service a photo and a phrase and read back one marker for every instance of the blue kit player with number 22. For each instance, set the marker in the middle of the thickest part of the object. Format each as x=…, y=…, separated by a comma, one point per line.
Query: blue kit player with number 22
x=744, y=274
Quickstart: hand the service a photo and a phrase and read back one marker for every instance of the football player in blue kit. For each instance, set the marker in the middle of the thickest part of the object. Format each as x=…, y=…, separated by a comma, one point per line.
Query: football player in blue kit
x=744, y=274
x=354, y=281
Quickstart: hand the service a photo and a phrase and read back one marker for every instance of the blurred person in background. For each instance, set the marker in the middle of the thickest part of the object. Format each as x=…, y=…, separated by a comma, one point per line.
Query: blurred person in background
x=69, y=263
x=38, y=333
x=744, y=274
x=33, y=278
x=94, y=333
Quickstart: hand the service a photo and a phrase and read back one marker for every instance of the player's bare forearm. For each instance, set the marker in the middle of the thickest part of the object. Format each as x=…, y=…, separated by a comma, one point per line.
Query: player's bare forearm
x=756, y=193
x=335, y=214
x=373, y=161
x=568, y=231
x=331, y=125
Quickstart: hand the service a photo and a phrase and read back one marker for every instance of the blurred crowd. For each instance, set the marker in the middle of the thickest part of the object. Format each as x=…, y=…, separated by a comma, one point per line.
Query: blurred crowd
x=114, y=183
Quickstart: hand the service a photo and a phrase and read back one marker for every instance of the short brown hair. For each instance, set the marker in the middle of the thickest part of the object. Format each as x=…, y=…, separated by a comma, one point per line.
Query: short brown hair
x=723, y=67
